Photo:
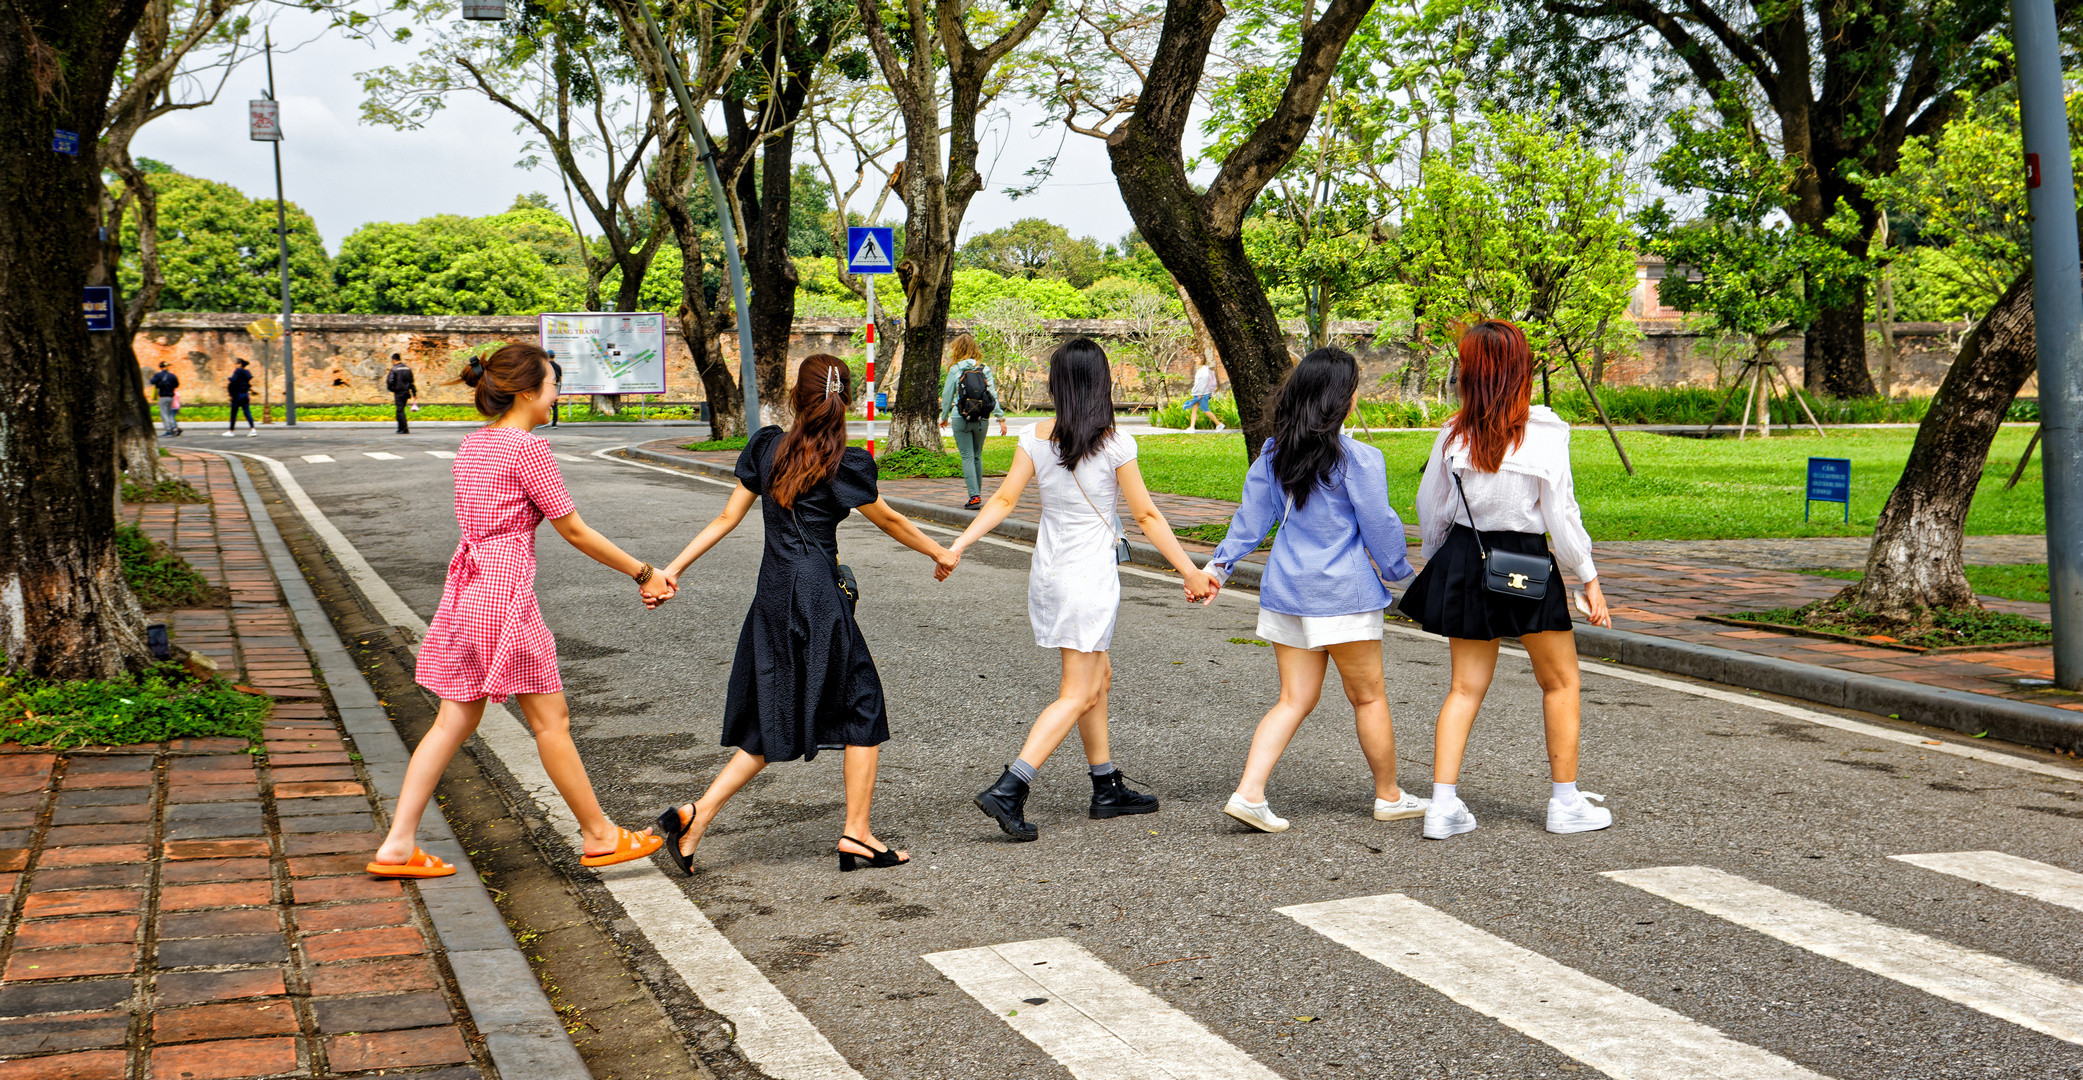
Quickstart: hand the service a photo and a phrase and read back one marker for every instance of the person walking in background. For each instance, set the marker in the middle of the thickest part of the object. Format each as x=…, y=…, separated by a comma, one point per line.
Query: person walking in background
x=488, y=640
x=240, y=387
x=557, y=373
x=403, y=390
x=1203, y=397
x=970, y=395
x=1326, y=582
x=802, y=680
x=166, y=387
x=1086, y=468
x=1501, y=465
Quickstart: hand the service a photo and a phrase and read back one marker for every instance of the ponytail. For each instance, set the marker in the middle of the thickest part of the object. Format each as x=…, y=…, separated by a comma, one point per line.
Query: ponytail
x=809, y=453
x=511, y=370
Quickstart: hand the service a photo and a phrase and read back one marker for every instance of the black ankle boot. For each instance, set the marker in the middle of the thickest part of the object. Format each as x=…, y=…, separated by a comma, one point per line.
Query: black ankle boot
x=1112, y=797
x=1004, y=801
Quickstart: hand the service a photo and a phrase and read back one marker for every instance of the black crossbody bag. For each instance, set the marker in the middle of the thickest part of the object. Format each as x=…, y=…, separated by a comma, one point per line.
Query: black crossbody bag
x=1521, y=577
x=842, y=574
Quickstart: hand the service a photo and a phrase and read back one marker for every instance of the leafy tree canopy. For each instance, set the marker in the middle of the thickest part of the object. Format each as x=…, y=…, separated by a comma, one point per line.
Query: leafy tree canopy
x=1035, y=248
x=218, y=249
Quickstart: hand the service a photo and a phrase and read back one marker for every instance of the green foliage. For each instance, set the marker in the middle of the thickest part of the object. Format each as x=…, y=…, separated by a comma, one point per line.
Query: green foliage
x=218, y=251
x=2025, y=581
x=1118, y=297
x=506, y=264
x=1034, y=248
x=1047, y=298
x=918, y=462
x=163, y=703
x=735, y=442
x=160, y=578
x=172, y=489
x=1940, y=628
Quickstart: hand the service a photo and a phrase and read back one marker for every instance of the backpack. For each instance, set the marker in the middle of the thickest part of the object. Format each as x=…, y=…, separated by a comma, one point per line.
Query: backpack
x=973, y=397
x=391, y=381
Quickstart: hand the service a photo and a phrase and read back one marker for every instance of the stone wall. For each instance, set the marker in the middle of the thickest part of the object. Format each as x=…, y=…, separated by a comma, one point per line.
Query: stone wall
x=342, y=359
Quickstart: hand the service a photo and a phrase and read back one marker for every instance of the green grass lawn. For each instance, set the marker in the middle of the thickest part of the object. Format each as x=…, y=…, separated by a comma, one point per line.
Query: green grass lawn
x=2026, y=581
x=1685, y=489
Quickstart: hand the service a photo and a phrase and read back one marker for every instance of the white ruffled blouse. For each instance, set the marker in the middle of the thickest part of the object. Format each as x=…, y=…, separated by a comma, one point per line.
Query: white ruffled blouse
x=1531, y=492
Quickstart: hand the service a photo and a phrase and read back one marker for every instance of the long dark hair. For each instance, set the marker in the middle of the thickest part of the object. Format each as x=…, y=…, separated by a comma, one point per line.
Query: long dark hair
x=1496, y=384
x=1082, y=386
x=809, y=453
x=509, y=372
x=1308, y=418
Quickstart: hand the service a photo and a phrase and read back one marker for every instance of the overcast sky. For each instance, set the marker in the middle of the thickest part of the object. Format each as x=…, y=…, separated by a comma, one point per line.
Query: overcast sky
x=345, y=173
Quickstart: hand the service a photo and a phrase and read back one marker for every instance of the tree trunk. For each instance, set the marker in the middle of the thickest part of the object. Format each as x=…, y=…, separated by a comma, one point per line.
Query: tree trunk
x=697, y=318
x=915, y=411
x=1915, y=562
x=65, y=611
x=1833, y=360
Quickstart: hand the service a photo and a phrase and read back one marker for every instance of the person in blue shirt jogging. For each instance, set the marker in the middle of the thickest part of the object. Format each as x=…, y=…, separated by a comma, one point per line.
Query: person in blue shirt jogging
x=973, y=400
x=1326, y=584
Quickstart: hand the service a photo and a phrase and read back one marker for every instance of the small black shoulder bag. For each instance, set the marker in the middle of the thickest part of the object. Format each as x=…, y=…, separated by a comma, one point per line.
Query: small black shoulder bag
x=1522, y=577
x=842, y=574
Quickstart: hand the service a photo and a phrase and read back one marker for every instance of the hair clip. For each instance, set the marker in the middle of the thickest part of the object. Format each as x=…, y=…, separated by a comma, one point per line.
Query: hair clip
x=832, y=380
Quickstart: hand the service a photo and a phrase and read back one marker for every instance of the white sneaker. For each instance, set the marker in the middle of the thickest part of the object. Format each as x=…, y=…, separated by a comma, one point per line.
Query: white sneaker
x=1409, y=806
x=1583, y=817
x=1260, y=817
x=228, y=434
x=1448, y=819
x=1220, y=426
x=251, y=432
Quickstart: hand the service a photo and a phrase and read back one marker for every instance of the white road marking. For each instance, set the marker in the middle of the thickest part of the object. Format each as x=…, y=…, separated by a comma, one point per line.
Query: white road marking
x=2002, y=988
x=1096, y=1023
x=317, y=459
x=1592, y=1021
x=771, y=1031
x=442, y=453
x=1779, y=708
x=2037, y=880
x=569, y=457
x=381, y=455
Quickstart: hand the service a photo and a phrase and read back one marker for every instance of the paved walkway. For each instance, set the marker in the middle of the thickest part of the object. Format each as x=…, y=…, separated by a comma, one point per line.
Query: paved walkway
x=1660, y=587
x=190, y=911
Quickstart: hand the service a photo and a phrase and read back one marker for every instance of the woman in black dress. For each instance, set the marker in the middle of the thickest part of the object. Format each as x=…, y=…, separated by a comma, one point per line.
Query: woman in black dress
x=802, y=680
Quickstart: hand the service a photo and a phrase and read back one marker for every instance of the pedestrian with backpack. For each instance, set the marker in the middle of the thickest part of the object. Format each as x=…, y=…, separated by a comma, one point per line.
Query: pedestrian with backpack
x=970, y=393
x=403, y=390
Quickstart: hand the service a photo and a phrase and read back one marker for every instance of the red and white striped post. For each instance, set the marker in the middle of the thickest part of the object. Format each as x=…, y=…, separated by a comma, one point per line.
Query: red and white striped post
x=871, y=365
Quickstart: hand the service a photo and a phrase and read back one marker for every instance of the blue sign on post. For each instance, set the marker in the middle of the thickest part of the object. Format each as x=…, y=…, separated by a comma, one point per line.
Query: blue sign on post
x=871, y=249
x=66, y=142
x=99, y=301
x=1829, y=480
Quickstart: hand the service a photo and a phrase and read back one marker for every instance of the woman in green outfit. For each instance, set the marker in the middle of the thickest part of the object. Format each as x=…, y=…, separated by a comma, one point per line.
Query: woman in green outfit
x=972, y=402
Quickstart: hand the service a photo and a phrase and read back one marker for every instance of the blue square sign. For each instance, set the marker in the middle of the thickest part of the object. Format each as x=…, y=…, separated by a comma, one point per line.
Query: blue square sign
x=871, y=249
x=66, y=142
x=99, y=302
x=1829, y=480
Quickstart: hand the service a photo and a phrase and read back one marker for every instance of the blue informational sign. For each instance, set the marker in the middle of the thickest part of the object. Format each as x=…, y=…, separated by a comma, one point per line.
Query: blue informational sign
x=882, y=400
x=99, y=301
x=66, y=142
x=1829, y=480
x=871, y=249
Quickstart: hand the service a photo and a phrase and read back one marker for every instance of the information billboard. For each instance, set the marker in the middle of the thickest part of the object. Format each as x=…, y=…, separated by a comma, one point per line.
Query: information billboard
x=607, y=352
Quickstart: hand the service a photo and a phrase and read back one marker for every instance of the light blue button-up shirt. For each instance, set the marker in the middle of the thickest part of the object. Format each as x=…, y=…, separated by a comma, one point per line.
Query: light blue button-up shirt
x=1334, y=551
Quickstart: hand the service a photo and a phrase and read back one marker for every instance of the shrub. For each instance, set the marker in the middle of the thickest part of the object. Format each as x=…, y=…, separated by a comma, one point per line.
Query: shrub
x=918, y=462
x=164, y=702
x=170, y=490
x=159, y=577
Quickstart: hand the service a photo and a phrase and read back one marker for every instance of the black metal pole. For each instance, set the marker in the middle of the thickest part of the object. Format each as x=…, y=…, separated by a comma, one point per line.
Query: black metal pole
x=289, y=374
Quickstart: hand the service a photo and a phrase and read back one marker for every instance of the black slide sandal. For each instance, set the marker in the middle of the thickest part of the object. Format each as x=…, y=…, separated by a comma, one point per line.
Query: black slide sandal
x=669, y=827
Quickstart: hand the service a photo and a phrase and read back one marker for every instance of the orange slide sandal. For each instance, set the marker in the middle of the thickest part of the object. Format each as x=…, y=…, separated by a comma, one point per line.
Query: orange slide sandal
x=629, y=847
x=421, y=865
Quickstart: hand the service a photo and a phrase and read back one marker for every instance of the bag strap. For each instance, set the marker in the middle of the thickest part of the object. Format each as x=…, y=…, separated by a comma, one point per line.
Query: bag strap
x=800, y=536
x=1479, y=546
x=1119, y=532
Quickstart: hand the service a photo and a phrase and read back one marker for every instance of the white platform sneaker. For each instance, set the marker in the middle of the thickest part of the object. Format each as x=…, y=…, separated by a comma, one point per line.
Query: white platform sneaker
x=1583, y=817
x=1408, y=806
x=1448, y=819
x=1260, y=817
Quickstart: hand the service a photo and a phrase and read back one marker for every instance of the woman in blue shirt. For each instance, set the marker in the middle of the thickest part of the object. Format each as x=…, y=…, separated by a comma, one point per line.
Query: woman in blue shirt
x=1325, y=585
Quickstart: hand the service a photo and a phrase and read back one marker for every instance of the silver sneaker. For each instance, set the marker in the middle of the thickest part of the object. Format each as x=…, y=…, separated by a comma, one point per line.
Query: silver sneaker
x=1408, y=806
x=1448, y=819
x=1582, y=817
x=1260, y=817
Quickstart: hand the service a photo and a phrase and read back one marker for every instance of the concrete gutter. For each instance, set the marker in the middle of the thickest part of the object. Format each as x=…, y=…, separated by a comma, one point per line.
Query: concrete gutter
x=523, y=1034
x=1955, y=710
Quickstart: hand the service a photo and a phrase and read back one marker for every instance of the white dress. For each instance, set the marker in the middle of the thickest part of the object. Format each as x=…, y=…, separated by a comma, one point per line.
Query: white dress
x=1073, y=587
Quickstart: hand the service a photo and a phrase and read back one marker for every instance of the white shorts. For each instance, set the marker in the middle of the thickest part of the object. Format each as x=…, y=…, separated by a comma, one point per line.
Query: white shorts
x=1314, y=632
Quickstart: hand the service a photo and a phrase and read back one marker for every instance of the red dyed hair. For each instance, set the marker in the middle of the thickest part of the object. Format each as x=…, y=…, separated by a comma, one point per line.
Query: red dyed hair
x=1496, y=381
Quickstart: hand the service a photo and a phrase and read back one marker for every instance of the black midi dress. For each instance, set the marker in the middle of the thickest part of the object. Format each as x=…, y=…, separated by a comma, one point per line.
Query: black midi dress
x=802, y=680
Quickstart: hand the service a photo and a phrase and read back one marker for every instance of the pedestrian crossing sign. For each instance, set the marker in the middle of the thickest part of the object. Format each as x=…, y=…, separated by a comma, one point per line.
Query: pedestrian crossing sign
x=870, y=249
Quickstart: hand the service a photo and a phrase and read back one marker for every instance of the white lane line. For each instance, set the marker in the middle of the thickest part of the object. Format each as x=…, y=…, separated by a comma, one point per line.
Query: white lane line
x=442, y=453
x=772, y=1032
x=569, y=457
x=381, y=455
x=1094, y=1021
x=1592, y=1021
x=2002, y=988
x=1778, y=708
x=315, y=459
x=2037, y=880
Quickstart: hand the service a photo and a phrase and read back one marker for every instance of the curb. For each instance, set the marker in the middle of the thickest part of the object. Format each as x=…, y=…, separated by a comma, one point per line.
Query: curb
x=1955, y=710
x=522, y=1033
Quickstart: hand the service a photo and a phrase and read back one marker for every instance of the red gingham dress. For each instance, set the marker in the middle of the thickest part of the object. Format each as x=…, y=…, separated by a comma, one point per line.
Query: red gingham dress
x=488, y=639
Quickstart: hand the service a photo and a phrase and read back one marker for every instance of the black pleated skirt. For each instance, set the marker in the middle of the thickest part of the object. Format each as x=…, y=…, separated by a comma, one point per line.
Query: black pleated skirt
x=1448, y=597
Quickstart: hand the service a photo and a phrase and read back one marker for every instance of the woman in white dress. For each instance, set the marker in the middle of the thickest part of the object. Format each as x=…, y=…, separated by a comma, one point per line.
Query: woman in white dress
x=1086, y=468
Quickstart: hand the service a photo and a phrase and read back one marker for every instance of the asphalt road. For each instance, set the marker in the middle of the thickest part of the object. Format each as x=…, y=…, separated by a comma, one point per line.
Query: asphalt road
x=1183, y=903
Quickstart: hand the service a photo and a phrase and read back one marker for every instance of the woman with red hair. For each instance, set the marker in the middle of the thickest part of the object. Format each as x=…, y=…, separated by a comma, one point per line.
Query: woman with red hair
x=1496, y=490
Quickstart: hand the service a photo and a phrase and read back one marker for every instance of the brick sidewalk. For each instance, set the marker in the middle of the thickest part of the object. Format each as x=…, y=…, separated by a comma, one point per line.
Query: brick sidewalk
x=190, y=911
x=1659, y=588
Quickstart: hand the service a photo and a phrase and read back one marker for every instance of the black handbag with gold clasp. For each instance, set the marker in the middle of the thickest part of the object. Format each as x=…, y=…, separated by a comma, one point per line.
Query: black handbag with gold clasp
x=1508, y=573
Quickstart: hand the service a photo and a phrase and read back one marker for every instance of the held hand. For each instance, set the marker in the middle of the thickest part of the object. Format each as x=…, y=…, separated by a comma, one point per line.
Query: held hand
x=1201, y=586
x=1595, y=597
x=944, y=563
x=658, y=590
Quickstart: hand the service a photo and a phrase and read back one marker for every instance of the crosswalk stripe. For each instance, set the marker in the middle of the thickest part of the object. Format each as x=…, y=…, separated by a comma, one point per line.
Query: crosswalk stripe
x=442, y=453
x=381, y=455
x=2037, y=880
x=1592, y=1021
x=1095, y=1022
x=2002, y=988
x=316, y=459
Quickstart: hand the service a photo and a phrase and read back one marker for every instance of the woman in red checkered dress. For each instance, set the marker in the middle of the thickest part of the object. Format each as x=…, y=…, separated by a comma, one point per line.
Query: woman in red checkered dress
x=488, y=640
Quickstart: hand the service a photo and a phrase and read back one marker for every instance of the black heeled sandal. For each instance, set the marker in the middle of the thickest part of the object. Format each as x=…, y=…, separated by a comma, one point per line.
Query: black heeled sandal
x=669, y=827
x=848, y=861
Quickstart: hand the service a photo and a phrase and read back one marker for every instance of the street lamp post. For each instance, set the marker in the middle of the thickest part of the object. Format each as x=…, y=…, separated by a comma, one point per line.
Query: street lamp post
x=266, y=126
